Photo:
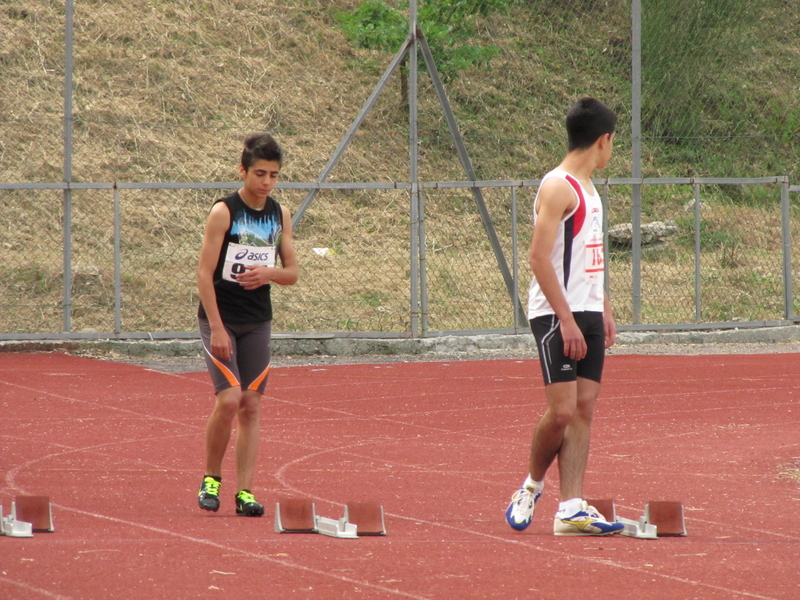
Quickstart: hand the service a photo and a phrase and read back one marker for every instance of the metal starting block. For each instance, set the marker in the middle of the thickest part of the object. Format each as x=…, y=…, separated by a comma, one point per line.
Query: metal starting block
x=337, y=529
x=367, y=516
x=28, y=514
x=605, y=507
x=295, y=515
x=12, y=528
x=34, y=510
x=660, y=518
x=667, y=516
x=298, y=515
x=639, y=529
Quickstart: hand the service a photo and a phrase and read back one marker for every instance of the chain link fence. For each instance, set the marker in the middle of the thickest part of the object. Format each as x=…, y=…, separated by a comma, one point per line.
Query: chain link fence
x=165, y=92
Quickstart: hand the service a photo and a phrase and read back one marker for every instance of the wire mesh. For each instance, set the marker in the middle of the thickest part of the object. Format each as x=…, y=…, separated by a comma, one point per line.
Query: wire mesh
x=31, y=261
x=166, y=92
x=353, y=249
x=715, y=95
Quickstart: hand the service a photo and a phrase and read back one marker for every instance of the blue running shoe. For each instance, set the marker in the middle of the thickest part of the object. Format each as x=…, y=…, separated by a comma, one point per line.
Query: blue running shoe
x=519, y=513
x=586, y=521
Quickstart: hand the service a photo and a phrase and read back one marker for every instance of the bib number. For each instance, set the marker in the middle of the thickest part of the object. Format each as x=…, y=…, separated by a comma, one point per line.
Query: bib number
x=595, y=261
x=239, y=256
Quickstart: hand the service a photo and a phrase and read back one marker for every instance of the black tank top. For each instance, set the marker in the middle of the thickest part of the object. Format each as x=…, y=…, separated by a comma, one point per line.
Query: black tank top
x=253, y=237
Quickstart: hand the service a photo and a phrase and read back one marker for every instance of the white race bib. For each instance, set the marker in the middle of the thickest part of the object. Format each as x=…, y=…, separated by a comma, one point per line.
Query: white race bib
x=595, y=259
x=238, y=256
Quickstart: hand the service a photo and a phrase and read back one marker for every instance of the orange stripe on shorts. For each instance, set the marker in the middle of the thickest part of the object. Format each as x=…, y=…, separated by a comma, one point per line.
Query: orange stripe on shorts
x=226, y=372
x=259, y=379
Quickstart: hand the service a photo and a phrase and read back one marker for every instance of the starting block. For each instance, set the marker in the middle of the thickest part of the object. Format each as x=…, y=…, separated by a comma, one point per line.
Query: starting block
x=639, y=529
x=34, y=510
x=604, y=507
x=298, y=515
x=667, y=516
x=295, y=515
x=12, y=528
x=337, y=529
x=367, y=516
x=660, y=518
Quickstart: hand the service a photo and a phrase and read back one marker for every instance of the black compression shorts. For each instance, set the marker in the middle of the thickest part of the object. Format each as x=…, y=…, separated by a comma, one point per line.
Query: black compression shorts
x=559, y=368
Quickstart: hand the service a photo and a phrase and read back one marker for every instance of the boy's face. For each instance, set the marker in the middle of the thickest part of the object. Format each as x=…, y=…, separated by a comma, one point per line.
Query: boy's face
x=260, y=178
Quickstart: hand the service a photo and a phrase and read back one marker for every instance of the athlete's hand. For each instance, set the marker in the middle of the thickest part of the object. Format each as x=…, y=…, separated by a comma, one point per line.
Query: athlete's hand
x=610, y=328
x=574, y=342
x=609, y=324
x=221, y=344
x=254, y=277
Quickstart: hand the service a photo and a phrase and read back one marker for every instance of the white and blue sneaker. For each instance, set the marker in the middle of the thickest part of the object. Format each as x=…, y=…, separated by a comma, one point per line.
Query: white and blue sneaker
x=587, y=521
x=519, y=513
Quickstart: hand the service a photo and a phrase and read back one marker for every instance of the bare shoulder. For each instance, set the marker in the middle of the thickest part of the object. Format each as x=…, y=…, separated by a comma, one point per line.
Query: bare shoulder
x=218, y=216
x=556, y=196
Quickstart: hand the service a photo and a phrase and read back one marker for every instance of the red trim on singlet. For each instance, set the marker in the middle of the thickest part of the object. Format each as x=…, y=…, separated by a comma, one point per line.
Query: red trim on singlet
x=580, y=213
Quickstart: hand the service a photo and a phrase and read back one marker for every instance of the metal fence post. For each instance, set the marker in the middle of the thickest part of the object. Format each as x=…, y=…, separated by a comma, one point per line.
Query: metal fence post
x=117, y=262
x=636, y=158
x=514, y=253
x=423, y=277
x=786, y=236
x=413, y=168
x=69, y=18
x=698, y=306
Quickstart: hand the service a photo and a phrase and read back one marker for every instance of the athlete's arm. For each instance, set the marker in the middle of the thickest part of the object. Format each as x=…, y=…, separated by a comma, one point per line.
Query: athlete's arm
x=256, y=276
x=556, y=199
x=217, y=224
x=609, y=325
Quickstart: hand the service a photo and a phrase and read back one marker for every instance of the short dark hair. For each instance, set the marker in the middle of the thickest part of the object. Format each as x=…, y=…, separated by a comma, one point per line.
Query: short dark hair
x=260, y=146
x=587, y=121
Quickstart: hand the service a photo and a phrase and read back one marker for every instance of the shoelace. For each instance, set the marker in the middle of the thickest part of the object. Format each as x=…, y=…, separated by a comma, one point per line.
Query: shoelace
x=246, y=497
x=523, y=498
x=593, y=512
x=212, y=486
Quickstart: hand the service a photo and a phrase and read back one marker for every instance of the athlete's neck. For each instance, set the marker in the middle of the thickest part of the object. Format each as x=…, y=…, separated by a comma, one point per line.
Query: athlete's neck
x=579, y=167
x=252, y=201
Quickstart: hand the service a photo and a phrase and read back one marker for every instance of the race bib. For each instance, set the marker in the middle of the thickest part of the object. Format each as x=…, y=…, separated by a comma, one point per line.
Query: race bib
x=595, y=259
x=595, y=262
x=239, y=256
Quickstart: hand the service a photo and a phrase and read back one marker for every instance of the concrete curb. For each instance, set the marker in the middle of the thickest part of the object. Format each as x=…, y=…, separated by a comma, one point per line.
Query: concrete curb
x=286, y=345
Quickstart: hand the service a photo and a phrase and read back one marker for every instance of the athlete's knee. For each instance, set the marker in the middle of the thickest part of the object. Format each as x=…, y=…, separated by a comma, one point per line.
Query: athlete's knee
x=249, y=407
x=558, y=417
x=587, y=399
x=228, y=402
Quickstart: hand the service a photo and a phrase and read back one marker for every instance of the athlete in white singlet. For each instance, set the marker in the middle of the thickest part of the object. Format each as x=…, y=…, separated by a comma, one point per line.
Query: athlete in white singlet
x=571, y=320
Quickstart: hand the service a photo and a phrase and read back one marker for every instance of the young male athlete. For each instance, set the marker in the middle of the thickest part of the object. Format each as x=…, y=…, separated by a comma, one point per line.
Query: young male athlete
x=571, y=320
x=246, y=232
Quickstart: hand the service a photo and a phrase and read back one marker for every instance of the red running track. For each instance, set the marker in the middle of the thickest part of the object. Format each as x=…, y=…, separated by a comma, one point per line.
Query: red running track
x=442, y=446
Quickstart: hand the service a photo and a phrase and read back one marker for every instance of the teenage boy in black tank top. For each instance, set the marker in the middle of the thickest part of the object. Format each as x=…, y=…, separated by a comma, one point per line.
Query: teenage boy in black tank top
x=246, y=232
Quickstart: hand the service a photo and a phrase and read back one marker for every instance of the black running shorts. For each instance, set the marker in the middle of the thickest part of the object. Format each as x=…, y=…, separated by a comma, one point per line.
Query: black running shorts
x=250, y=358
x=559, y=368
